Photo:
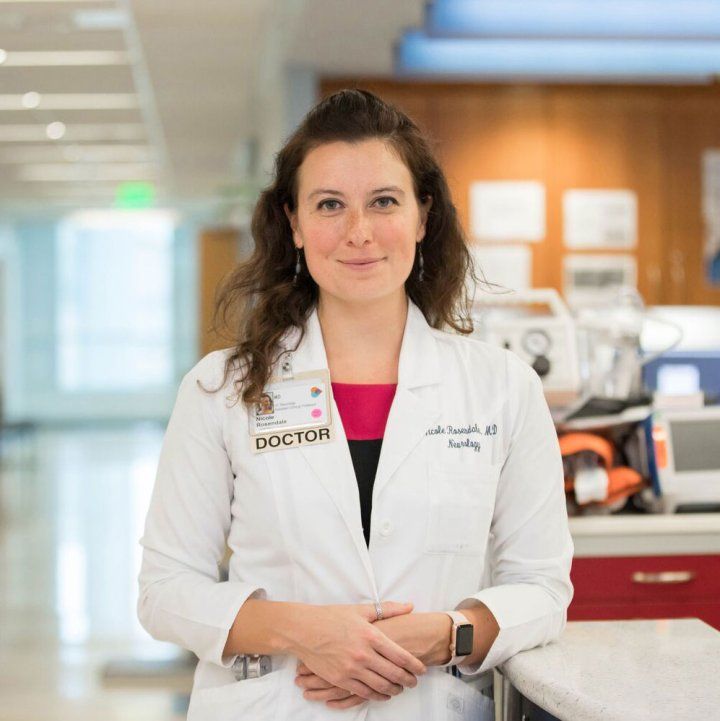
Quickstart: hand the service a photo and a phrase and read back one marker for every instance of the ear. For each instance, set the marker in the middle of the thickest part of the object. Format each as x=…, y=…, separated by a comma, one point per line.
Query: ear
x=424, y=210
x=292, y=218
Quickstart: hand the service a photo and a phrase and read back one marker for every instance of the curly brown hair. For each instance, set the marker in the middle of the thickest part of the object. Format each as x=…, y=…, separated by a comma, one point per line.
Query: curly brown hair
x=261, y=299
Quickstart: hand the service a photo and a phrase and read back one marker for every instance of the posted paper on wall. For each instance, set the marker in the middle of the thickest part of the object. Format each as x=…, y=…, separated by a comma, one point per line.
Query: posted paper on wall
x=507, y=211
x=600, y=218
x=711, y=213
x=507, y=265
x=590, y=279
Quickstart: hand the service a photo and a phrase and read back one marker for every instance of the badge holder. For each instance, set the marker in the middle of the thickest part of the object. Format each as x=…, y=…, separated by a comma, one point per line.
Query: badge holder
x=294, y=410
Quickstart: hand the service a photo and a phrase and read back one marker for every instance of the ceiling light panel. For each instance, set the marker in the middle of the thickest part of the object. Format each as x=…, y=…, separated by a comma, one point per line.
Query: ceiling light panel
x=574, y=18
x=69, y=101
x=15, y=133
x=58, y=2
x=79, y=80
x=62, y=58
x=64, y=173
x=546, y=60
x=103, y=19
x=54, y=152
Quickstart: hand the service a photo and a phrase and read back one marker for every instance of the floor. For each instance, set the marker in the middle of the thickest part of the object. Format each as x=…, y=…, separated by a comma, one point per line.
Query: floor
x=72, y=508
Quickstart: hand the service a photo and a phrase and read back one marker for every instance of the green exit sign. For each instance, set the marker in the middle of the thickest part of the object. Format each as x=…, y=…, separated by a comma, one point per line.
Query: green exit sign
x=134, y=195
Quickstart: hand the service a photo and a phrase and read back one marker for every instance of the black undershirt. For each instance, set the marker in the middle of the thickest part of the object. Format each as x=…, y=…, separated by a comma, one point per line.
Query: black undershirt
x=365, y=456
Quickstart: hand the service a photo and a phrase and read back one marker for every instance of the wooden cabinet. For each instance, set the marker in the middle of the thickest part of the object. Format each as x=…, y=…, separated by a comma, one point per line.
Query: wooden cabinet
x=628, y=587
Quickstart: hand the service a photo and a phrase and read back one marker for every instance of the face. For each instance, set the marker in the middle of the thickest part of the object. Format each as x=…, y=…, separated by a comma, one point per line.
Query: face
x=357, y=220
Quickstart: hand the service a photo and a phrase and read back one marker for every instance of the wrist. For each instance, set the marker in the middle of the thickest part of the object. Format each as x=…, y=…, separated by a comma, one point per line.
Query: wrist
x=294, y=628
x=440, y=652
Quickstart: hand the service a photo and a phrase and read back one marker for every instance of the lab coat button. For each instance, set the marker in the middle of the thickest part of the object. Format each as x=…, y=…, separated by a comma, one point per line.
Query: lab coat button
x=386, y=528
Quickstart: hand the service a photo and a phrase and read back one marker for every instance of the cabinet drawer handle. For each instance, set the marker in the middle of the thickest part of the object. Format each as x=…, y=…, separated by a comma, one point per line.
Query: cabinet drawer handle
x=663, y=577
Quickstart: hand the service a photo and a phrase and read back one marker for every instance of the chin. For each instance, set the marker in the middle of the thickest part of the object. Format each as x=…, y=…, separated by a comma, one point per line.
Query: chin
x=365, y=294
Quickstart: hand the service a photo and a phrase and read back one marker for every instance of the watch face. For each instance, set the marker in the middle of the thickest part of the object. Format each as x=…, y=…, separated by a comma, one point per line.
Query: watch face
x=464, y=640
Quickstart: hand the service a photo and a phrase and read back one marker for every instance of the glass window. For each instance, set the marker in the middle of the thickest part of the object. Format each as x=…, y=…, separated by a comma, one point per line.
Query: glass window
x=115, y=305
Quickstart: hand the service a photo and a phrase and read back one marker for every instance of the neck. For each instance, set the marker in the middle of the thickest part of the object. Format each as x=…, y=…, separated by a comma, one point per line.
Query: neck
x=363, y=340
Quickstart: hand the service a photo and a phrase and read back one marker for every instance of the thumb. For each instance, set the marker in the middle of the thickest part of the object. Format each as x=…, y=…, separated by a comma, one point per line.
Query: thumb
x=393, y=608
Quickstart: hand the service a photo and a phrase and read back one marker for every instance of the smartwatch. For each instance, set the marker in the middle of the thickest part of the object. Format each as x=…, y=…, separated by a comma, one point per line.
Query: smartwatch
x=461, y=640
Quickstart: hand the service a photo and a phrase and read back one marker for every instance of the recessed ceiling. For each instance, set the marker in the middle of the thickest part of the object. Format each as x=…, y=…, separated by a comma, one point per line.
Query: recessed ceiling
x=200, y=82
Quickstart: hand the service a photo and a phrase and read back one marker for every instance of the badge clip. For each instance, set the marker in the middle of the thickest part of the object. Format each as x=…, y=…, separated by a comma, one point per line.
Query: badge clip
x=286, y=368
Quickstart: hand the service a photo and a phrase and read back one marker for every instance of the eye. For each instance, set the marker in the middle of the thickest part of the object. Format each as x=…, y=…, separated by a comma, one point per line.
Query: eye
x=322, y=206
x=386, y=197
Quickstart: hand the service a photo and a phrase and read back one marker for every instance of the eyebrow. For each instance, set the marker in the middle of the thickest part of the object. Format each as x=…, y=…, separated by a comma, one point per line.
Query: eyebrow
x=328, y=191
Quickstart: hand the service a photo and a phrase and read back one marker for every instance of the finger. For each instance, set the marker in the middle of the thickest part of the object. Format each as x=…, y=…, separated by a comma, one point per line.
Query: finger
x=360, y=689
x=312, y=682
x=389, y=609
x=349, y=702
x=302, y=669
x=392, y=673
x=398, y=655
x=395, y=608
x=379, y=683
x=328, y=694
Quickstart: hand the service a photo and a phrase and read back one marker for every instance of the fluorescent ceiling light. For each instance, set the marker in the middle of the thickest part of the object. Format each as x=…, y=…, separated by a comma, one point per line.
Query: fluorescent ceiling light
x=49, y=2
x=493, y=59
x=70, y=101
x=54, y=152
x=92, y=132
x=105, y=19
x=574, y=18
x=64, y=173
x=62, y=58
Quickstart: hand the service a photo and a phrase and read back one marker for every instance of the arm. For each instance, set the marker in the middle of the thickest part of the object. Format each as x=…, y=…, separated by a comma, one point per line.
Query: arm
x=180, y=597
x=427, y=635
x=530, y=543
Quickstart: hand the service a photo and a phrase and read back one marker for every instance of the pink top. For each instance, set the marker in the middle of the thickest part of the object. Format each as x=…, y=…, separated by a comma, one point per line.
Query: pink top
x=364, y=408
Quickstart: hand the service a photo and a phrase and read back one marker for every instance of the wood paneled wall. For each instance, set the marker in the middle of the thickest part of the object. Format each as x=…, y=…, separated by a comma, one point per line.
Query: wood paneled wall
x=218, y=255
x=648, y=139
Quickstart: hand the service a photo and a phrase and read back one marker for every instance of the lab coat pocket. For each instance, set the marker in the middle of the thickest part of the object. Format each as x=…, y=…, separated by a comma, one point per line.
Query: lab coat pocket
x=253, y=698
x=460, y=507
x=458, y=700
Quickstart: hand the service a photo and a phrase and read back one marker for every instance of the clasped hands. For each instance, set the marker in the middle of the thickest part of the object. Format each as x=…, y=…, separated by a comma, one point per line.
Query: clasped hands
x=352, y=657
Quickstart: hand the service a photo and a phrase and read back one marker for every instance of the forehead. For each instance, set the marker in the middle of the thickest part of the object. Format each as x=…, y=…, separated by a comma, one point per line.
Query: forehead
x=341, y=165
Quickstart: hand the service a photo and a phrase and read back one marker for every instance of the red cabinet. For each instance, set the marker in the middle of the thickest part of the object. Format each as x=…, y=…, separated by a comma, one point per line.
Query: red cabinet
x=627, y=587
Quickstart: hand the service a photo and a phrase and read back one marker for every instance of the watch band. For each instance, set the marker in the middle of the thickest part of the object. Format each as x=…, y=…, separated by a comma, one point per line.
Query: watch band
x=460, y=623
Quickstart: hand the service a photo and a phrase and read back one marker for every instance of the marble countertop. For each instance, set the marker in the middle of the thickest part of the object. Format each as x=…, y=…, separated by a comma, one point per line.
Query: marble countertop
x=664, y=670
x=645, y=535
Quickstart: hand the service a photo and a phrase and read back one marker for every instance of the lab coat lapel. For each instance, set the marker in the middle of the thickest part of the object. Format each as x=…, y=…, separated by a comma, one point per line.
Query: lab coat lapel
x=416, y=403
x=330, y=462
x=414, y=409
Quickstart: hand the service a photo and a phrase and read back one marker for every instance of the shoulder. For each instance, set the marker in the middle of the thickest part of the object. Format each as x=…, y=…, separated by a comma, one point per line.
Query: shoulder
x=212, y=371
x=512, y=371
x=471, y=350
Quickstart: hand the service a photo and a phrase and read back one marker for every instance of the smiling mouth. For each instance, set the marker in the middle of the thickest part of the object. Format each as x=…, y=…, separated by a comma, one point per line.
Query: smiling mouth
x=364, y=261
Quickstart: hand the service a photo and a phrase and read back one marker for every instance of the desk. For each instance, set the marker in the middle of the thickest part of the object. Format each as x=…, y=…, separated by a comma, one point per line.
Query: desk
x=664, y=670
x=646, y=534
x=646, y=566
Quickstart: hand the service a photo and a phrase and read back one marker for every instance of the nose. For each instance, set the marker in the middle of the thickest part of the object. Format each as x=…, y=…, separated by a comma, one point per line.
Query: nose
x=358, y=228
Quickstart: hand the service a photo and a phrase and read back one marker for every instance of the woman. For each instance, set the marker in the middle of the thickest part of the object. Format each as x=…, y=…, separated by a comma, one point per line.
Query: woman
x=405, y=473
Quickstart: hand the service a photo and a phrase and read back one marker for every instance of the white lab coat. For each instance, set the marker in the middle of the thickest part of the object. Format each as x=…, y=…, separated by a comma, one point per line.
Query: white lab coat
x=452, y=523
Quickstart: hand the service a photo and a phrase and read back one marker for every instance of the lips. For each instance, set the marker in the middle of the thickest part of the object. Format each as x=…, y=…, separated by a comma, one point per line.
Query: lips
x=361, y=261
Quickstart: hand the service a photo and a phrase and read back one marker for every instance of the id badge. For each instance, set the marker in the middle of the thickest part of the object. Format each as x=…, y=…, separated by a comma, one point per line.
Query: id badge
x=292, y=412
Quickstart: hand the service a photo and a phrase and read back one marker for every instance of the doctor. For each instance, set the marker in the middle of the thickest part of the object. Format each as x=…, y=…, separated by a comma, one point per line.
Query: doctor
x=397, y=512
